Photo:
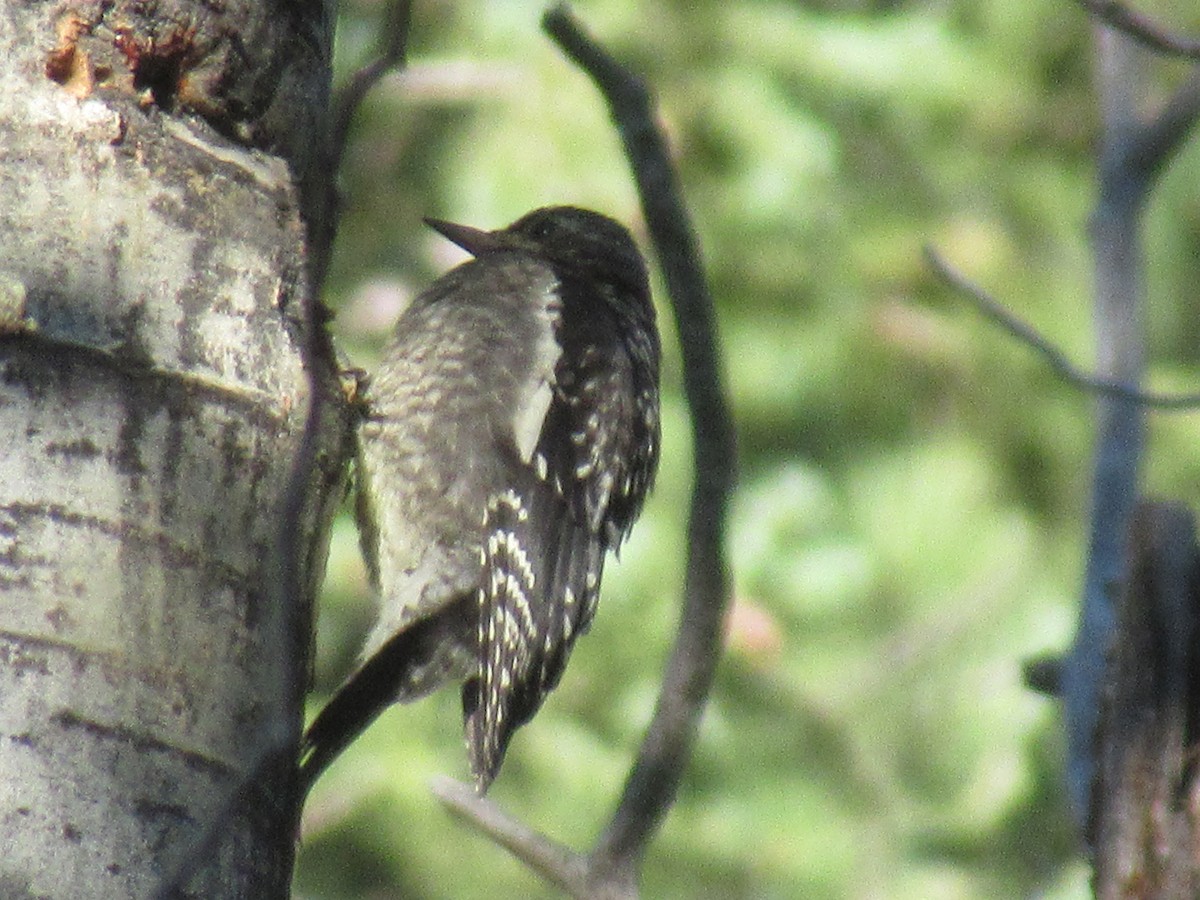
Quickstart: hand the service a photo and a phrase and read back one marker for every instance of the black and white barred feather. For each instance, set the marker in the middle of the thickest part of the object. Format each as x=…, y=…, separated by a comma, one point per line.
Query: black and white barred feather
x=512, y=439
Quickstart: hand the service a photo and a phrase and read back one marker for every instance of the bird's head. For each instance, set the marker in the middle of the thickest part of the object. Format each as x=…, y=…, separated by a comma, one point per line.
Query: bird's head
x=578, y=241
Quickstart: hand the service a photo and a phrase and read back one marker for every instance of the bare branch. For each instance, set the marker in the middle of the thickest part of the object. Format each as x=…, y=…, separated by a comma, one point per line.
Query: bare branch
x=392, y=54
x=1152, y=144
x=654, y=779
x=1132, y=153
x=278, y=735
x=560, y=865
x=1141, y=28
x=393, y=51
x=1056, y=359
x=612, y=868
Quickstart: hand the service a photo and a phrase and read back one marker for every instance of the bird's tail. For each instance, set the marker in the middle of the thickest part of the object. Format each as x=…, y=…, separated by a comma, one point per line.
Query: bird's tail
x=406, y=667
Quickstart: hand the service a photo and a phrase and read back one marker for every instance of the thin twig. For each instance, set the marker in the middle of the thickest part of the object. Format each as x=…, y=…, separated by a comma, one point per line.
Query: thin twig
x=279, y=733
x=654, y=780
x=1141, y=28
x=1056, y=359
x=1151, y=145
x=559, y=865
x=392, y=54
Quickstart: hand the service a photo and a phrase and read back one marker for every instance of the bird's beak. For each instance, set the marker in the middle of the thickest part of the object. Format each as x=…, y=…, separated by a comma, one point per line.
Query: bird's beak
x=475, y=241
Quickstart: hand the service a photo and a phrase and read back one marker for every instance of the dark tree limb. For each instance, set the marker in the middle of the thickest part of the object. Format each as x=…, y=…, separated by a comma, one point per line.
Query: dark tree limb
x=1141, y=28
x=279, y=734
x=391, y=55
x=692, y=666
x=1143, y=818
x=613, y=866
x=993, y=310
x=1132, y=153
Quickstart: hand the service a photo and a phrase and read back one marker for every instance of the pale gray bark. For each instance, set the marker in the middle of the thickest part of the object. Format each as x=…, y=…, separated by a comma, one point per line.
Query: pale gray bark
x=155, y=335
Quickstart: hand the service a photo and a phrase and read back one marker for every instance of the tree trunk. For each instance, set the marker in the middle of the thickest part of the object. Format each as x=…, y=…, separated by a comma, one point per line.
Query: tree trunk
x=158, y=354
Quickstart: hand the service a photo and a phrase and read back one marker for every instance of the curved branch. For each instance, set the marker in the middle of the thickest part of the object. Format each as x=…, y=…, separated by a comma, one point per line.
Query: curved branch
x=1057, y=360
x=1132, y=154
x=1141, y=28
x=612, y=868
x=392, y=54
x=654, y=779
x=558, y=864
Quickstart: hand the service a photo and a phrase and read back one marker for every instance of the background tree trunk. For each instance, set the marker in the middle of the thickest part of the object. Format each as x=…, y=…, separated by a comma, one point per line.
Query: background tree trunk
x=155, y=378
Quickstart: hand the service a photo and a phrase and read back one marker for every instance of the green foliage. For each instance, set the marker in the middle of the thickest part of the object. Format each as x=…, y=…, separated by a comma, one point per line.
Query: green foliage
x=911, y=516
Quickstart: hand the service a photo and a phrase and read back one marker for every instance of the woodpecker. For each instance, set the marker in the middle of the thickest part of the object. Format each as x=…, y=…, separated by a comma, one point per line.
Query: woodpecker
x=511, y=435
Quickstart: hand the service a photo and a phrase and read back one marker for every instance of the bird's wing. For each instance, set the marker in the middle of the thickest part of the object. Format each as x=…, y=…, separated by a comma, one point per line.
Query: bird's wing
x=546, y=537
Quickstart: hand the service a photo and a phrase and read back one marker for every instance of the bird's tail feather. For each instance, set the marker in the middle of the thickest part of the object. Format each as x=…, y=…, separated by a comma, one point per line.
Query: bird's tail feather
x=401, y=670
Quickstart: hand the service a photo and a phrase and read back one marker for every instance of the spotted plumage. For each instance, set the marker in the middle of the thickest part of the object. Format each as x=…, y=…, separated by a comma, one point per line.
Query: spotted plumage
x=512, y=435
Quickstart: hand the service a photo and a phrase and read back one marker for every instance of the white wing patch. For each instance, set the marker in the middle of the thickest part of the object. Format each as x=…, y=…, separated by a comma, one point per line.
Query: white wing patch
x=535, y=395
